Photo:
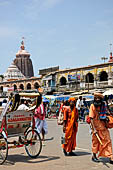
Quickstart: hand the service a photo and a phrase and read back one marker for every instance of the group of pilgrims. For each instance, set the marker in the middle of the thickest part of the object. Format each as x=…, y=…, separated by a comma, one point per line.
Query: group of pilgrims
x=98, y=119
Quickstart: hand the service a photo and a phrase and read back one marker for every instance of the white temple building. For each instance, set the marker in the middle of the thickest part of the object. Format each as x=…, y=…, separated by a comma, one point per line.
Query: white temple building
x=13, y=73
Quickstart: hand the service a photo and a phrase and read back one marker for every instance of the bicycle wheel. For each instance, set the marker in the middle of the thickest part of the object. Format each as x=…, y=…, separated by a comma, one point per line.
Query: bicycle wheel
x=3, y=149
x=34, y=143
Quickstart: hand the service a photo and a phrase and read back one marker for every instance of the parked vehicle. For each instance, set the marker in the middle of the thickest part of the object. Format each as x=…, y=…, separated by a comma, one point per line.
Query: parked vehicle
x=19, y=123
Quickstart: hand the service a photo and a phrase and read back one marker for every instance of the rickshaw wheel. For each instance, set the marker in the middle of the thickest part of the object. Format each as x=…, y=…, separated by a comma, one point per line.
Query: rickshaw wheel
x=34, y=143
x=3, y=149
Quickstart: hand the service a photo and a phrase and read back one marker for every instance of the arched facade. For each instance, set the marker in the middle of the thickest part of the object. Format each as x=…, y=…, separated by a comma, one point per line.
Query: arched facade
x=36, y=85
x=89, y=78
x=86, y=78
x=15, y=87
x=28, y=86
x=63, y=81
x=25, y=84
x=103, y=76
x=21, y=86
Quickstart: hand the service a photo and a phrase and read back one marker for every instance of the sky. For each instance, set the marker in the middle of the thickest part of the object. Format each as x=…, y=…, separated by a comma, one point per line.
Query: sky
x=65, y=33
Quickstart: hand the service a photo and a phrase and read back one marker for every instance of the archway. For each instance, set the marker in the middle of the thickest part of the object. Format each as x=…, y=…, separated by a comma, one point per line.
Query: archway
x=89, y=78
x=21, y=86
x=103, y=76
x=28, y=86
x=15, y=87
x=36, y=85
x=63, y=81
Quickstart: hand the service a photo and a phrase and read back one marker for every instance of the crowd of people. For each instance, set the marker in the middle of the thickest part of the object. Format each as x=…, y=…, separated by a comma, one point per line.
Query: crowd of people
x=98, y=120
x=73, y=111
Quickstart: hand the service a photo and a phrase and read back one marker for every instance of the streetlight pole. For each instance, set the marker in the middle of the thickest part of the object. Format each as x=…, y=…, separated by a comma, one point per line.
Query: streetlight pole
x=88, y=82
x=110, y=46
x=104, y=58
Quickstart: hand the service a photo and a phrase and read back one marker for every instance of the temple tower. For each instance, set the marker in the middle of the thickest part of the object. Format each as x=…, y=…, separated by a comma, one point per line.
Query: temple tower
x=23, y=61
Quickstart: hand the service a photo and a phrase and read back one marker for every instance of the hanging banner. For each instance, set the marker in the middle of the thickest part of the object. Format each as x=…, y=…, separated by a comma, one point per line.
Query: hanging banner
x=73, y=77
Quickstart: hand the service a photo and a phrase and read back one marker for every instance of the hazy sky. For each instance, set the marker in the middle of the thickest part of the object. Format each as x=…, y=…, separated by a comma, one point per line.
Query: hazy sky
x=68, y=33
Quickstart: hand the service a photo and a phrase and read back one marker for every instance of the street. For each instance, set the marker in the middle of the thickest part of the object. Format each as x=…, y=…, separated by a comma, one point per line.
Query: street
x=52, y=158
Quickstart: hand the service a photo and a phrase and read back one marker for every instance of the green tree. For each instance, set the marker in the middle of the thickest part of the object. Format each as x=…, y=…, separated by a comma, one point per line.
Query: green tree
x=1, y=76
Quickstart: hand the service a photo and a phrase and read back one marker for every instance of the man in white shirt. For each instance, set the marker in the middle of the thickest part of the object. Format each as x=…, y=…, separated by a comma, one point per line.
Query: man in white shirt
x=22, y=106
x=79, y=105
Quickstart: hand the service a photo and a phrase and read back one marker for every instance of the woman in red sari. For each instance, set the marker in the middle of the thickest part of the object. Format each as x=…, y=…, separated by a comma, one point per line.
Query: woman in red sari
x=70, y=127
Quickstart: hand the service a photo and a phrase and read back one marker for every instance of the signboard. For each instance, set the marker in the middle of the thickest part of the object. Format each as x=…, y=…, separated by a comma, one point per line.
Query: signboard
x=78, y=76
x=18, y=121
x=11, y=88
x=5, y=89
x=73, y=77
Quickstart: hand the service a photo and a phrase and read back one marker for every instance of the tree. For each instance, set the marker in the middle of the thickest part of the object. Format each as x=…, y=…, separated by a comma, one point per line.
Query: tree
x=1, y=76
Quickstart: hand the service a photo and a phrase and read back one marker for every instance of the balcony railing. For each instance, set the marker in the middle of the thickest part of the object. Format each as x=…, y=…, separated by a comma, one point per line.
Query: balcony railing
x=49, y=89
x=89, y=85
x=102, y=84
x=73, y=87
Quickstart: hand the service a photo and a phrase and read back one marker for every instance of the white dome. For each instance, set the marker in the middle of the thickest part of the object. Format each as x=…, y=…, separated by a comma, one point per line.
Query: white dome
x=13, y=73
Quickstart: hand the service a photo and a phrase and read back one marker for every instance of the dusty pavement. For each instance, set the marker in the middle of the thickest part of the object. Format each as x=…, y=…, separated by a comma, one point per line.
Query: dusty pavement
x=52, y=158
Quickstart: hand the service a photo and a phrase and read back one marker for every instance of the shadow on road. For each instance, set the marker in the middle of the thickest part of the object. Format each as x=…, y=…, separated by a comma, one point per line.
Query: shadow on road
x=51, y=119
x=105, y=161
x=12, y=159
x=48, y=139
x=81, y=153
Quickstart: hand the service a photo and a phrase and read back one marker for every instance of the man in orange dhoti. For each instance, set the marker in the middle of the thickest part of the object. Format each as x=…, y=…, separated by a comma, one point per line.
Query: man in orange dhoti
x=70, y=127
x=103, y=148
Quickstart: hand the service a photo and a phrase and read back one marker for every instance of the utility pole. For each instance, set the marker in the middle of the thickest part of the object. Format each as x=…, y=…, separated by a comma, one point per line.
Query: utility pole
x=110, y=46
x=88, y=82
x=104, y=58
x=76, y=81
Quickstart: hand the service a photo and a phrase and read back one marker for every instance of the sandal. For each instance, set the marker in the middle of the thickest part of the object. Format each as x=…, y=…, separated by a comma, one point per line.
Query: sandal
x=95, y=160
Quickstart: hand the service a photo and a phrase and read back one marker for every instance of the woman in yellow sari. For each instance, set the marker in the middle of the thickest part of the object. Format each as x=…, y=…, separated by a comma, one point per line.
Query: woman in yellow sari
x=70, y=127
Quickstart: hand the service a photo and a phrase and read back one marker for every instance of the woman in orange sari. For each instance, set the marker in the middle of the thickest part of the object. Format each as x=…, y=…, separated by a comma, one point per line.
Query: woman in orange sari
x=70, y=127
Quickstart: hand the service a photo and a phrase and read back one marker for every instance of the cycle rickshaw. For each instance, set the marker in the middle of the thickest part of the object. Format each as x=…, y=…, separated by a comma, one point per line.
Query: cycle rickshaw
x=21, y=124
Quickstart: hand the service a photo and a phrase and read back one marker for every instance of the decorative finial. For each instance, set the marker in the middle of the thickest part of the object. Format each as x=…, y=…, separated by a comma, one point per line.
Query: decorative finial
x=22, y=42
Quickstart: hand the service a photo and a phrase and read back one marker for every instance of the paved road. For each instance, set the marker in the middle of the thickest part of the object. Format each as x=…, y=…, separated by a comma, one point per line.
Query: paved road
x=52, y=158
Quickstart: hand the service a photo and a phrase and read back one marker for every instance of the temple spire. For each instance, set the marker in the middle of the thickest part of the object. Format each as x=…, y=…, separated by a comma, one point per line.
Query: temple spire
x=23, y=61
